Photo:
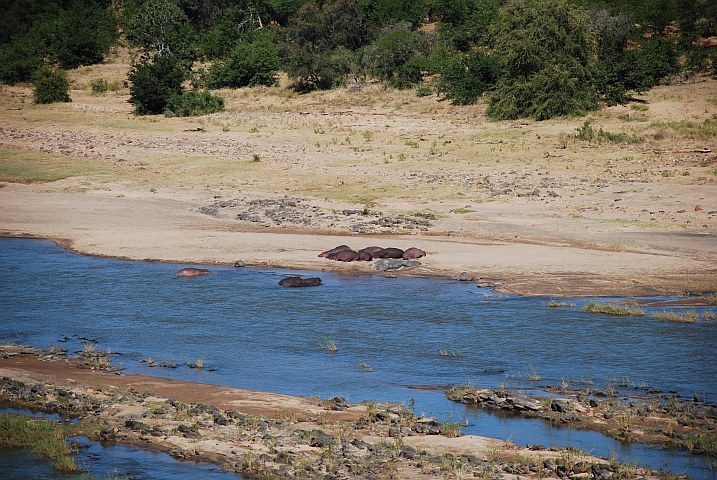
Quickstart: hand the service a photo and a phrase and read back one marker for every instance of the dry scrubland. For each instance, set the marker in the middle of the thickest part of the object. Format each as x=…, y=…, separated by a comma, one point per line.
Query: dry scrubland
x=623, y=204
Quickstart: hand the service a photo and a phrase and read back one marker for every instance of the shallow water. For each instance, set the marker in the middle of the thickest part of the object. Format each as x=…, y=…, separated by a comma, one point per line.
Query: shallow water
x=260, y=336
x=107, y=462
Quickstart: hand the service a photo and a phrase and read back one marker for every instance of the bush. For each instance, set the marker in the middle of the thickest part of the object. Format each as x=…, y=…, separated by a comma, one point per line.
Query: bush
x=153, y=82
x=249, y=64
x=396, y=56
x=547, y=52
x=193, y=103
x=99, y=85
x=465, y=78
x=51, y=85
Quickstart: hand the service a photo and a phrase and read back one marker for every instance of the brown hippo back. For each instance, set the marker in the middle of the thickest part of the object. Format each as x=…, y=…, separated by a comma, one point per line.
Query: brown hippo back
x=389, y=253
x=413, y=253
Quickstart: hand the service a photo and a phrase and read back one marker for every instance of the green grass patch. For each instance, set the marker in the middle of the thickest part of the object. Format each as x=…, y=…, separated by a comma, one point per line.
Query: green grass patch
x=588, y=133
x=43, y=437
x=462, y=210
x=611, y=309
x=24, y=166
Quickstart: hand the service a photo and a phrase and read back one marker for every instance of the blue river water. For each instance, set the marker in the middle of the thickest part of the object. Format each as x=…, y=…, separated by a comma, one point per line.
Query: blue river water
x=251, y=333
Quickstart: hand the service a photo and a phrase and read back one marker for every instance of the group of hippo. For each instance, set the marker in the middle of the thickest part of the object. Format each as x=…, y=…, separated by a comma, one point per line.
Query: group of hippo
x=344, y=253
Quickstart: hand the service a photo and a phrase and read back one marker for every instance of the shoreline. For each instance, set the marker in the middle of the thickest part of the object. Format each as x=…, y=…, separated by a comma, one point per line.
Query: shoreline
x=259, y=434
x=581, y=286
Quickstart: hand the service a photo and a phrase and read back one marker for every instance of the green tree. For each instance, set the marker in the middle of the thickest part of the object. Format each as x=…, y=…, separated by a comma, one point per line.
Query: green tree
x=398, y=55
x=160, y=27
x=465, y=77
x=547, y=53
x=319, y=43
x=251, y=63
x=50, y=85
x=154, y=81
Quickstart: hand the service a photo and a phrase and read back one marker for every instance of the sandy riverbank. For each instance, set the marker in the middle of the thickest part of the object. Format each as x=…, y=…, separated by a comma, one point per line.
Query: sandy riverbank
x=275, y=180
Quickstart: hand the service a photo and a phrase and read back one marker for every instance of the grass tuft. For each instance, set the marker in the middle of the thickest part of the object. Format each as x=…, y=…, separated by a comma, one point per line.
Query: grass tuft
x=685, y=316
x=611, y=309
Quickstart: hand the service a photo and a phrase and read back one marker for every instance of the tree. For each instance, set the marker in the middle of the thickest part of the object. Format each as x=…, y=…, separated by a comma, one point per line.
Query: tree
x=160, y=27
x=465, y=77
x=547, y=52
x=319, y=43
x=250, y=63
x=154, y=81
x=50, y=85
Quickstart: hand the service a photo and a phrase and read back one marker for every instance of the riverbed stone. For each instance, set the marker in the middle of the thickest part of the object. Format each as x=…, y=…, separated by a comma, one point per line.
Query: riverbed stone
x=465, y=277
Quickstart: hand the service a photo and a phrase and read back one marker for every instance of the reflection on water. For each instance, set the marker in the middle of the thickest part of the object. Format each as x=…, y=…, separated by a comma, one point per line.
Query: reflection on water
x=258, y=335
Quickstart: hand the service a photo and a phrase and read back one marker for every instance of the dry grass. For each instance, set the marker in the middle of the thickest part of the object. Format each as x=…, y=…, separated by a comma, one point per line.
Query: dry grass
x=685, y=316
x=24, y=166
x=611, y=309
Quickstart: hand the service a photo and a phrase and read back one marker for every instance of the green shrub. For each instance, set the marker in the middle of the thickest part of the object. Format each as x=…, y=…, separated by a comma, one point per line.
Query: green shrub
x=193, y=103
x=397, y=56
x=249, y=64
x=547, y=51
x=99, y=85
x=50, y=85
x=465, y=78
x=154, y=81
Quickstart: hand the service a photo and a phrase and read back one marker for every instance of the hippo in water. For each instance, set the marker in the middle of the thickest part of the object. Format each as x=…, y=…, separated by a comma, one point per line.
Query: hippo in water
x=300, y=282
x=413, y=253
x=334, y=250
x=344, y=256
x=193, y=272
x=389, y=253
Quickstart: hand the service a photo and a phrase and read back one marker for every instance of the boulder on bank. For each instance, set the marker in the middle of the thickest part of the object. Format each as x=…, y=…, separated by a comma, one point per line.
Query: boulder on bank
x=386, y=264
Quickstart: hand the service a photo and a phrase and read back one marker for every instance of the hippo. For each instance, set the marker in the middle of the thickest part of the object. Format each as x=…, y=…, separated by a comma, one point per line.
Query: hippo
x=364, y=256
x=334, y=250
x=344, y=256
x=193, y=272
x=389, y=253
x=371, y=250
x=413, y=253
x=300, y=282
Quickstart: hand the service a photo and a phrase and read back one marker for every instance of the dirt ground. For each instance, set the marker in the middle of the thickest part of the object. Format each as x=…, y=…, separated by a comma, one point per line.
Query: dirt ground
x=278, y=178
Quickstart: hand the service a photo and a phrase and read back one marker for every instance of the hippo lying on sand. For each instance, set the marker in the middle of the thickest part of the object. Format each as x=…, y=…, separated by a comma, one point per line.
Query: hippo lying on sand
x=334, y=250
x=413, y=253
x=300, y=282
x=193, y=272
x=344, y=256
x=389, y=253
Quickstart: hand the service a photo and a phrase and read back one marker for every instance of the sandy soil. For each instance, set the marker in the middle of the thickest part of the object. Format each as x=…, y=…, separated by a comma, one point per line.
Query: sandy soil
x=521, y=204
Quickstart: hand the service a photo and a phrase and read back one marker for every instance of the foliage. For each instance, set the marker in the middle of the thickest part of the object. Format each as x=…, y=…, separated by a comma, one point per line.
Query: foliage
x=51, y=85
x=193, y=103
x=153, y=82
x=81, y=33
x=464, y=78
x=99, y=85
x=249, y=64
x=397, y=56
x=319, y=43
x=546, y=50
x=161, y=28
x=390, y=11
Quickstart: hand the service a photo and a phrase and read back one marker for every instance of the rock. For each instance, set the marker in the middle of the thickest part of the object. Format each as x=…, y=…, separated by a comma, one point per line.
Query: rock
x=698, y=208
x=386, y=264
x=239, y=264
x=136, y=426
x=560, y=405
x=321, y=438
x=465, y=277
x=408, y=452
